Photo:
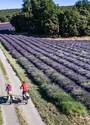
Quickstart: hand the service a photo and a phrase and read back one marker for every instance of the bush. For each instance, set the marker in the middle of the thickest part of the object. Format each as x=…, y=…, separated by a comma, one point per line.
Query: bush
x=85, y=4
x=3, y=19
x=51, y=26
x=72, y=23
x=68, y=22
x=84, y=26
x=21, y=22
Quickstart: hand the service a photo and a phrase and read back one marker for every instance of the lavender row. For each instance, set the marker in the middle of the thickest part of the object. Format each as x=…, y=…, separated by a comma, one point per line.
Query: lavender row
x=60, y=55
x=80, y=61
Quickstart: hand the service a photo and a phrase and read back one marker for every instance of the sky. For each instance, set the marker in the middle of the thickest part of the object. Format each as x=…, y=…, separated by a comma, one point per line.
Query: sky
x=10, y=4
x=65, y=2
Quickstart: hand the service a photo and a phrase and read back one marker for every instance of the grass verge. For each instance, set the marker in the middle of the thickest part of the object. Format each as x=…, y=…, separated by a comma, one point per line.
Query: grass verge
x=4, y=71
x=22, y=119
x=1, y=118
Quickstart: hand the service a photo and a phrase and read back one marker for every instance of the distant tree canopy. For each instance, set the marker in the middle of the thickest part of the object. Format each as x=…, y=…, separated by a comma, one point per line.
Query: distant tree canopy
x=73, y=24
x=26, y=6
x=6, y=15
x=82, y=4
x=3, y=19
x=44, y=17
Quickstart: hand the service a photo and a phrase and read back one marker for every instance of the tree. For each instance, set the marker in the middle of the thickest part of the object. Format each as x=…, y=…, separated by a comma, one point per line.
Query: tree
x=43, y=17
x=68, y=22
x=83, y=4
x=72, y=23
x=3, y=19
x=43, y=13
x=27, y=6
x=51, y=26
x=21, y=22
x=84, y=25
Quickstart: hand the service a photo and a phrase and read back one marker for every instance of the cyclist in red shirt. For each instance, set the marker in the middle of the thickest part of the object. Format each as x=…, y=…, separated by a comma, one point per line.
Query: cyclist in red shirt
x=25, y=89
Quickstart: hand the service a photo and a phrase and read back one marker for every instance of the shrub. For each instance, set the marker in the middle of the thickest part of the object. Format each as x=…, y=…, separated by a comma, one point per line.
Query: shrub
x=21, y=22
x=3, y=19
x=68, y=21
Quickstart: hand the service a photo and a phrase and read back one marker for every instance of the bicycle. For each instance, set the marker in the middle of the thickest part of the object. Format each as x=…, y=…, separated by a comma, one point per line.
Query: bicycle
x=26, y=97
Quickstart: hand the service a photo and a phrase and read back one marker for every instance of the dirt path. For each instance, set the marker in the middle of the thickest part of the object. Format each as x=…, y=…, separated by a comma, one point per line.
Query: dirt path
x=31, y=114
x=70, y=38
x=8, y=111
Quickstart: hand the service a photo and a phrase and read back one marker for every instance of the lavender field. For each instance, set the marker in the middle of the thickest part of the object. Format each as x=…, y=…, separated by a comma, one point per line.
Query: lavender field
x=63, y=63
x=45, y=62
x=6, y=26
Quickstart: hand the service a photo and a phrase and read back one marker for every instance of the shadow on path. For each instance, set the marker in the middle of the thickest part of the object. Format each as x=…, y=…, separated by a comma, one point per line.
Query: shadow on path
x=15, y=100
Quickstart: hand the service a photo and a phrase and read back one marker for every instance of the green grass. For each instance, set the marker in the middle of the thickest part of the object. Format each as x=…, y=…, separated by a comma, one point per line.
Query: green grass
x=48, y=111
x=3, y=70
x=21, y=117
x=1, y=119
x=64, y=101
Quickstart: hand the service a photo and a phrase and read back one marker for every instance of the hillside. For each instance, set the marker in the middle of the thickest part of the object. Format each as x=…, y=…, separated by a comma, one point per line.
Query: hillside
x=5, y=15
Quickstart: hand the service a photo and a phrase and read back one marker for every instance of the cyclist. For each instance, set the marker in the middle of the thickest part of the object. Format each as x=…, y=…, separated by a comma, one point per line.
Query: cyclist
x=9, y=92
x=25, y=89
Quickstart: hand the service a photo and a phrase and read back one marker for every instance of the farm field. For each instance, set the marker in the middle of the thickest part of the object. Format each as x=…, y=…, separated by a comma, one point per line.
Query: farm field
x=60, y=69
x=5, y=26
x=64, y=63
x=45, y=44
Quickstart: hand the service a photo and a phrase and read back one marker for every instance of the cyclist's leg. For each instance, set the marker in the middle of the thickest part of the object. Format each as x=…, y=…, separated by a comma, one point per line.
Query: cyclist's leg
x=25, y=99
x=8, y=97
x=26, y=94
x=23, y=95
x=11, y=99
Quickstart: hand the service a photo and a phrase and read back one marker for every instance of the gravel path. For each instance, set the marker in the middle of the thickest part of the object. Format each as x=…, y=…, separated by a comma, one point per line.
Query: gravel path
x=30, y=112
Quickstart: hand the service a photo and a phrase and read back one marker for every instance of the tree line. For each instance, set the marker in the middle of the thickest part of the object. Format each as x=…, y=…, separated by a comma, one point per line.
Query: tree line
x=44, y=17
